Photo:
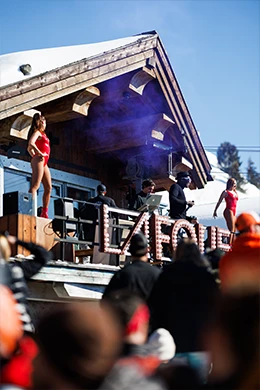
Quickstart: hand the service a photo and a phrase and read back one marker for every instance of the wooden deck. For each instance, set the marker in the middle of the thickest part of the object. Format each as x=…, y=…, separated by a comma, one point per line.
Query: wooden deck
x=64, y=281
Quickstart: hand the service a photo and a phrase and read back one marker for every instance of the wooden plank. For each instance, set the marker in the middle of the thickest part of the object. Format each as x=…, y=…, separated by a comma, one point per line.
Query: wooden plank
x=81, y=66
x=196, y=149
x=46, y=94
x=4, y=224
x=44, y=233
x=72, y=276
x=200, y=179
x=72, y=84
x=83, y=252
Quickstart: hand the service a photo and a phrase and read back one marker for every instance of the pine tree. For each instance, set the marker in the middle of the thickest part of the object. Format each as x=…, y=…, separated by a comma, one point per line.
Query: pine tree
x=230, y=163
x=252, y=175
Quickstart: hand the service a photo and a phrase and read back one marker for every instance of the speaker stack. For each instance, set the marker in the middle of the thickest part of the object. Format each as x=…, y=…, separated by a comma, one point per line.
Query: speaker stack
x=64, y=207
x=17, y=203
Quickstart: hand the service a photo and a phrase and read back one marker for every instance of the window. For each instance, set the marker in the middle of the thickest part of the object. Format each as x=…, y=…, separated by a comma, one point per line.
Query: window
x=15, y=175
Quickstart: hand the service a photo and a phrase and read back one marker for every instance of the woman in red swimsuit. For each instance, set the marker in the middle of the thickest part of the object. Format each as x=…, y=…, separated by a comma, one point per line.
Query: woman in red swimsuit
x=231, y=198
x=39, y=149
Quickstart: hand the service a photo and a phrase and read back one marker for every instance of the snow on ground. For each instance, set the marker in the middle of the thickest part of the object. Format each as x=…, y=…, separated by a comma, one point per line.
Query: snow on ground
x=205, y=199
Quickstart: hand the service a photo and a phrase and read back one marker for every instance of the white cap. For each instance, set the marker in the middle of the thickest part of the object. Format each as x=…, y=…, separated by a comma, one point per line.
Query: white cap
x=162, y=344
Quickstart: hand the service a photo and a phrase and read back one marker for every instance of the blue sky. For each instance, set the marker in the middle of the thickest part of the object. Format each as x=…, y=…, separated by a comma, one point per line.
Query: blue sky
x=213, y=46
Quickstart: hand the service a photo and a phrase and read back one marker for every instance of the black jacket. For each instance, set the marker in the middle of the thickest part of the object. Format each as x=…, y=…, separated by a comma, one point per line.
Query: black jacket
x=138, y=277
x=181, y=301
x=178, y=202
x=138, y=201
x=101, y=199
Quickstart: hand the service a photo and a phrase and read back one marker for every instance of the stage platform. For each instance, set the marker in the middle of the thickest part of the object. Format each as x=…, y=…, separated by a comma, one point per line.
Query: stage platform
x=40, y=231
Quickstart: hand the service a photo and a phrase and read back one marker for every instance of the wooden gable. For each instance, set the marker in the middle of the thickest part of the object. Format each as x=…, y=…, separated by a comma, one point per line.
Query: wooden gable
x=107, y=112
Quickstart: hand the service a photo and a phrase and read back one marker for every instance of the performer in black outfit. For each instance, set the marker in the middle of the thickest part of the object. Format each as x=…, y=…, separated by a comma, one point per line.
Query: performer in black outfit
x=138, y=276
x=139, y=200
x=178, y=203
x=90, y=212
x=101, y=197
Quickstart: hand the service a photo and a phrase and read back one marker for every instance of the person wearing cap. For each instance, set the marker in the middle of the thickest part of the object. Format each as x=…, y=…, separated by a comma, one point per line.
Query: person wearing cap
x=101, y=197
x=90, y=212
x=240, y=267
x=139, y=200
x=138, y=276
x=177, y=198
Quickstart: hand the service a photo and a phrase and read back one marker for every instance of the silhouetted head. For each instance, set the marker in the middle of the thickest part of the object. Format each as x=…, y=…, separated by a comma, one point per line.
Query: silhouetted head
x=79, y=343
x=138, y=245
x=101, y=189
x=132, y=311
x=183, y=179
x=188, y=251
x=248, y=222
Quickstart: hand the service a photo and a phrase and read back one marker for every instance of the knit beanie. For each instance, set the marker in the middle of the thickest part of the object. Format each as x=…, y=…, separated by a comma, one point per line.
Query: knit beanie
x=162, y=344
x=138, y=245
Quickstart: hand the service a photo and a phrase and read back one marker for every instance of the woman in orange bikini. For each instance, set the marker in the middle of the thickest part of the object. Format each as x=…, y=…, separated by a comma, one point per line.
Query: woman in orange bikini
x=231, y=198
x=39, y=150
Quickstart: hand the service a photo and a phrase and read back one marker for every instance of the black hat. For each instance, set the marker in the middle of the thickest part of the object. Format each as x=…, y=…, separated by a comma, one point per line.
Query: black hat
x=138, y=245
x=180, y=175
x=101, y=188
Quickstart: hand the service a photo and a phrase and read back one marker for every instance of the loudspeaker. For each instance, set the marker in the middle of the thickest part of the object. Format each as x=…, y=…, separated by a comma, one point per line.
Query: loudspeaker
x=64, y=207
x=17, y=203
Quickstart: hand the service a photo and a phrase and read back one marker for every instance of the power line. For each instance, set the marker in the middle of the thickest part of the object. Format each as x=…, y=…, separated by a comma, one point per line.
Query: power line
x=248, y=147
x=244, y=149
x=239, y=150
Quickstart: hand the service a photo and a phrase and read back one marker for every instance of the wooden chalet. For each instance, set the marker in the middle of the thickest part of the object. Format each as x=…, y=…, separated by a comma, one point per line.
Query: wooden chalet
x=115, y=114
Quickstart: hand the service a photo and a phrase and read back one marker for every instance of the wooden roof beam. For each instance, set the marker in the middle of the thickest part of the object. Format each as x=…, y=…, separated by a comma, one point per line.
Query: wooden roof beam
x=22, y=124
x=126, y=142
x=154, y=126
x=161, y=127
x=74, y=77
x=84, y=100
x=137, y=132
x=141, y=79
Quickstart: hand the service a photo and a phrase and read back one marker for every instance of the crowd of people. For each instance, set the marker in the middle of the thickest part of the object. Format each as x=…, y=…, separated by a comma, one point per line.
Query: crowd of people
x=192, y=324
x=179, y=327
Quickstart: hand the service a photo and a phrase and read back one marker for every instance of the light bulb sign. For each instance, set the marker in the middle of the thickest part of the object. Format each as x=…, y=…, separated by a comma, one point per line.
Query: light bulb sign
x=161, y=231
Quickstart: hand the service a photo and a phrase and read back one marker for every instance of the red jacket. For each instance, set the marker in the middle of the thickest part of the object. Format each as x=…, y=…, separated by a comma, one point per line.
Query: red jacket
x=241, y=266
x=17, y=371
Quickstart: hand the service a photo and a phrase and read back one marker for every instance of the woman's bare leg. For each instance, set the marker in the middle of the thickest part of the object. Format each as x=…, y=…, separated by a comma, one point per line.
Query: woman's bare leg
x=230, y=221
x=229, y=217
x=46, y=181
x=37, y=174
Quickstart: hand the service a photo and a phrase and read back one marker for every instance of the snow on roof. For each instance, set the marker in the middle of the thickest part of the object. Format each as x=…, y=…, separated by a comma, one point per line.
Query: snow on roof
x=43, y=60
x=205, y=199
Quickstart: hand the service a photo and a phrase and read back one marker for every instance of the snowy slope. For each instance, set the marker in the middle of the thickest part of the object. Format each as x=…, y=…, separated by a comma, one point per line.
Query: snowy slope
x=206, y=198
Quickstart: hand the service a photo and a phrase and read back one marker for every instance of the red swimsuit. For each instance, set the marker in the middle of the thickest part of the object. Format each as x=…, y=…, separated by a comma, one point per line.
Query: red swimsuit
x=231, y=202
x=43, y=144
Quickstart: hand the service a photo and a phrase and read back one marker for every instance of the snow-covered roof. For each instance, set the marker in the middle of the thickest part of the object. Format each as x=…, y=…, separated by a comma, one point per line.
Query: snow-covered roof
x=44, y=60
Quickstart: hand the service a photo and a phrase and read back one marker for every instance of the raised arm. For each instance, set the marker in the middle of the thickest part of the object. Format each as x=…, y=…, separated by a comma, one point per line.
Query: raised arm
x=31, y=267
x=222, y=196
